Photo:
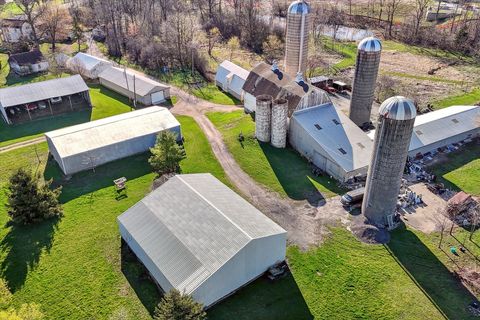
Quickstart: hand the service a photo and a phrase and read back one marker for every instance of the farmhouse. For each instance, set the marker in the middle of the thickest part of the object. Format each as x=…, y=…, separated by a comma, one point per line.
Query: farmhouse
x=28, y=62
x=15, y=29
x=35, y=100
x=87, y=65
x=331, y=141
x=88, y=145
x=231, y=78
x=196, y=235
x=146, y=91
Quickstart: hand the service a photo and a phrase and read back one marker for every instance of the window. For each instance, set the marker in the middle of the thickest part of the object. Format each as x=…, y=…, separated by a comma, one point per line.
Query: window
x=419, y=132
x=318, y=127
x=342, y=151
x=336, y=121
x=361, y=145
x=455, y=121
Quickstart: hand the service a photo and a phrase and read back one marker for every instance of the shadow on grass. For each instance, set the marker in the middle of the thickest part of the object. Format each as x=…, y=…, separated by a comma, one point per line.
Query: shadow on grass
x=430, y=275
x=263, y=299
x=23, y=246
x=88, y=181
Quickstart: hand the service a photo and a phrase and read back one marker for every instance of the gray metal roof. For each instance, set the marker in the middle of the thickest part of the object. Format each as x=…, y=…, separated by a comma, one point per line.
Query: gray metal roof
x=370, y=44
x=88, y=61
x=398, y=108
x=299, y=7
x=108, y=131
x=37, y=91
x=143, y=85
x=192, y=225
x=337, y=132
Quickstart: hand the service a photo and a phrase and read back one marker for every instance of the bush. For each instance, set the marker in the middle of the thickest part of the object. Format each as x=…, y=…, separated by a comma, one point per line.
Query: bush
x=176, y=306
x=166, y=154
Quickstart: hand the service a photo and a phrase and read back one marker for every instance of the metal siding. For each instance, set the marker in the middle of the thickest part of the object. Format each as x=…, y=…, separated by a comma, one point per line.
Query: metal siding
x=250, y=102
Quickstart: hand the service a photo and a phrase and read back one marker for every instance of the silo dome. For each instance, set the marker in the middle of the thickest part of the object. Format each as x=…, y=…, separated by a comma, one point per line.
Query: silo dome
x=299, y=7
x=370, y=44
x=398, y=108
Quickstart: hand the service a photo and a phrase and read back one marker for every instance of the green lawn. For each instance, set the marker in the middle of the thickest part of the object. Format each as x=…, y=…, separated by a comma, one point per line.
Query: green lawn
x=281, y=170
x=422, y=78
x=462, y=170
x=105, y=103
x=15, y=80
x=464, y=99
x=5, y=69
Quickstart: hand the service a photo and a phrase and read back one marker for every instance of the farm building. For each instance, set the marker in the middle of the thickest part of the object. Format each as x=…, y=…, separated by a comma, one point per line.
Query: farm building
x=15, y=29
x=39, y=99
x=443, y=127
x=87, y=65
x=28, y=62
x=196, y=235
x=330, y=140
x=147, y=92
x=88, y=145
x=231, y=78
x=268, y=80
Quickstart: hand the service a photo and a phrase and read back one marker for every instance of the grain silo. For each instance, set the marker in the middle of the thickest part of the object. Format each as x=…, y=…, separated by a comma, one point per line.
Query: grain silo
x=279, y=123
x=296, y=46
x=392, y=139
x=263, y=114
x=366, y=71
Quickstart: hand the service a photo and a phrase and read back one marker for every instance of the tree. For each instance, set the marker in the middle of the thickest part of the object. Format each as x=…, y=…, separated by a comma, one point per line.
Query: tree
x=176, y=306
x=77, y=27
x=272, y=48
x=213, y=36
x=233, y=45
x=420, y=11
x=166, y=154
x=32, y=11
x=53, y=23
x=31, y=201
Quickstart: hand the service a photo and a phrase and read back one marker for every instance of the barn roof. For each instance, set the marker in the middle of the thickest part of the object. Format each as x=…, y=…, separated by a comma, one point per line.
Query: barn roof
x=108, y=131
x=232, y=68
x=30, y=57
x=142, y=85
x=192, y=225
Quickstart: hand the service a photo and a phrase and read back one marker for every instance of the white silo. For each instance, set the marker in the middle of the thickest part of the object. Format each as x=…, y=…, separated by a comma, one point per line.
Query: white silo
x=279, y=123
x=296, y=46
x=263, y=114
x=392, y=139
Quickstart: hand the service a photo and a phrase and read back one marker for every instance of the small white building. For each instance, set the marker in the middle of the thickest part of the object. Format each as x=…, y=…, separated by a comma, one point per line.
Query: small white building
x=87, y=65
x=91, y=144
x=15, y=29
x=196, y=235
x=231, y=78
x=26, y=63
x=145, y=90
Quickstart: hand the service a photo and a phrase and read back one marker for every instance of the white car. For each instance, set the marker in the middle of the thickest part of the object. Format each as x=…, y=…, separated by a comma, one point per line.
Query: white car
x=56, y=100
x=41, y=105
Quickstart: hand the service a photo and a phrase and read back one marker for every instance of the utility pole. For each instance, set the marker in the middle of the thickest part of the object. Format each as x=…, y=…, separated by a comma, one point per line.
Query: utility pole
x=134, y=93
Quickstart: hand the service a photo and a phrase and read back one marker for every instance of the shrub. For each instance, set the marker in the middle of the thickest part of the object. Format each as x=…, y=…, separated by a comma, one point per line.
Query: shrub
x=176, y=306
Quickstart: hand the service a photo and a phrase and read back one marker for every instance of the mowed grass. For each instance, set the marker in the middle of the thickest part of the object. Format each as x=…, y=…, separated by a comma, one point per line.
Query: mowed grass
x=74, y=267
x=105, y=103
x=281, y=170
x=464, y=99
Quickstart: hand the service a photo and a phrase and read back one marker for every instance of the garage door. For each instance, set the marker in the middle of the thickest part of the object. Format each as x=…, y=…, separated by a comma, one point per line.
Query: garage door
x=158, y=97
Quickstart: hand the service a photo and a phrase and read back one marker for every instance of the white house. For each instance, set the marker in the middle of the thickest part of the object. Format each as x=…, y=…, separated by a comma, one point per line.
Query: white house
x=26, y=63
x=231, y=78
x=87, y=65
x=15, y=29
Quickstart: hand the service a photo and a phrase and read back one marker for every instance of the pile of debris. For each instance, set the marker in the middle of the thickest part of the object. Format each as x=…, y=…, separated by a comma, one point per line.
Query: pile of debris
x=463, y=210
x=409, y=198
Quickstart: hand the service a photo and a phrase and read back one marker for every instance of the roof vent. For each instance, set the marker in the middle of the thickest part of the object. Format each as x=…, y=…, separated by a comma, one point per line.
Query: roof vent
x=342, y=151
x=275, y=66
x=318, y=126
x=455, y=120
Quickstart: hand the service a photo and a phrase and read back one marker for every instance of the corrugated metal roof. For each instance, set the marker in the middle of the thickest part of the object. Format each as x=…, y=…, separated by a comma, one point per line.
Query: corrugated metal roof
x=143, y=85
x=398, y=108
x=37, y=91
x=96, y=134
x=192, y=225
x=235, y=69
x=370, y=44
x=87, y=61
x=347, y=145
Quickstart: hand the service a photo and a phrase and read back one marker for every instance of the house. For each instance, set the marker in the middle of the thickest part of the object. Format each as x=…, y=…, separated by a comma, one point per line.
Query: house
x=87, y=65
x=146, y=91
x=231, y=78
x=196, y=235
x=46, y=98
x=15, y=29
x=26, y=63
x=91, y=144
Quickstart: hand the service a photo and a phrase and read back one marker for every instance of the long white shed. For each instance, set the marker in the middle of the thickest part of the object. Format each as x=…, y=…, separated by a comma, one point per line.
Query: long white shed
x=87, y=65
x=231, y=78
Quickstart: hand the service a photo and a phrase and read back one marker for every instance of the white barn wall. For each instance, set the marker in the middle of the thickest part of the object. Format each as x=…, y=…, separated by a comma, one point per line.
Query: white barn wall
x=250, y=102
x=444, y=142
x=112, y=86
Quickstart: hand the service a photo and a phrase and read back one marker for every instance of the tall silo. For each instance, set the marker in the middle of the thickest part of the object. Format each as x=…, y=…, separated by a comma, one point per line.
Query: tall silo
x=366, y=71
x=279, y=123
x=296, y=46
x=263, y=114
x=392, y=139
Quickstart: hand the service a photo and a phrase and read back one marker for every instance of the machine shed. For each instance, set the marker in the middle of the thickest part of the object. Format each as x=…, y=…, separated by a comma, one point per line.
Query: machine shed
x=196, y=235
x=91, y=144
x=231, y=78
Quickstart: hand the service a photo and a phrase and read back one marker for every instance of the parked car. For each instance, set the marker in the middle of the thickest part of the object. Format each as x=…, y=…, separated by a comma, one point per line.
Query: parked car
x=31, y=106
x=41, y=105
x=56, y=100
x=353, y=197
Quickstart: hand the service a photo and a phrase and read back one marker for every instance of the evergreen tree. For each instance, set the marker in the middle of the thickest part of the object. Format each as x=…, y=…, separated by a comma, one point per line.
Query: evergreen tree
x=175, y=306
x=30, y=200
x=166, y=154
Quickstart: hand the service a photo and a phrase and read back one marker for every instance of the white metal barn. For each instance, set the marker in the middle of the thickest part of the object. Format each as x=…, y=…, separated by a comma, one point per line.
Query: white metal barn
x=147, y=91
x=231, y=78
x=196, y=235
x=88, y=145
x=330, y=140
x=87, y=65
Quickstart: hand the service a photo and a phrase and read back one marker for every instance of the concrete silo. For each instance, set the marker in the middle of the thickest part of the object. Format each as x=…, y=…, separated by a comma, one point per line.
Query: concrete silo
x=366, y=71
x=392, y=139
x=263, y=114
x=296, y=46
x=279, y=123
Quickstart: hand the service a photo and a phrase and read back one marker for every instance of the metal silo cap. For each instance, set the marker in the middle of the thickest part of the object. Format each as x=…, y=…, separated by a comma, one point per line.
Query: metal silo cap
x=370, y=44
x=398, y=108
x=299, y=7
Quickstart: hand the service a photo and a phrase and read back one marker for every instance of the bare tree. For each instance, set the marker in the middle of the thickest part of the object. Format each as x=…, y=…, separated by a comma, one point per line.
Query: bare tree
x=32, y=11
x=392, y=7
x=421, y=7
x=54, y=22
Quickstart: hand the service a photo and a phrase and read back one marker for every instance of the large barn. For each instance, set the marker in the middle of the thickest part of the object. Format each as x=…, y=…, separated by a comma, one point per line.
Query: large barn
x=89, y=145
x=231, y=78
x=147, y=91
x=196, y=235
x=87, y=65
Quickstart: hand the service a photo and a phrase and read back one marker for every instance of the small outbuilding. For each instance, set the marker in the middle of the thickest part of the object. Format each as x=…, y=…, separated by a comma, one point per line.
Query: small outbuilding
x=26, y=63
x=145, y=90
x=231, y=78
x=15, y=29
x=87, y=65
x=91, y=144
x=196, y=235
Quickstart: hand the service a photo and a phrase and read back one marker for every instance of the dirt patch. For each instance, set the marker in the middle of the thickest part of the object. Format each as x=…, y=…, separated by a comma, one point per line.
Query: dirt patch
x=368, y=233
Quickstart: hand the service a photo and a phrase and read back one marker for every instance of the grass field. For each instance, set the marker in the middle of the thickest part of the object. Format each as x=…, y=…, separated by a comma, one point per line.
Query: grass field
x=464, y=99
x=281, y=170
